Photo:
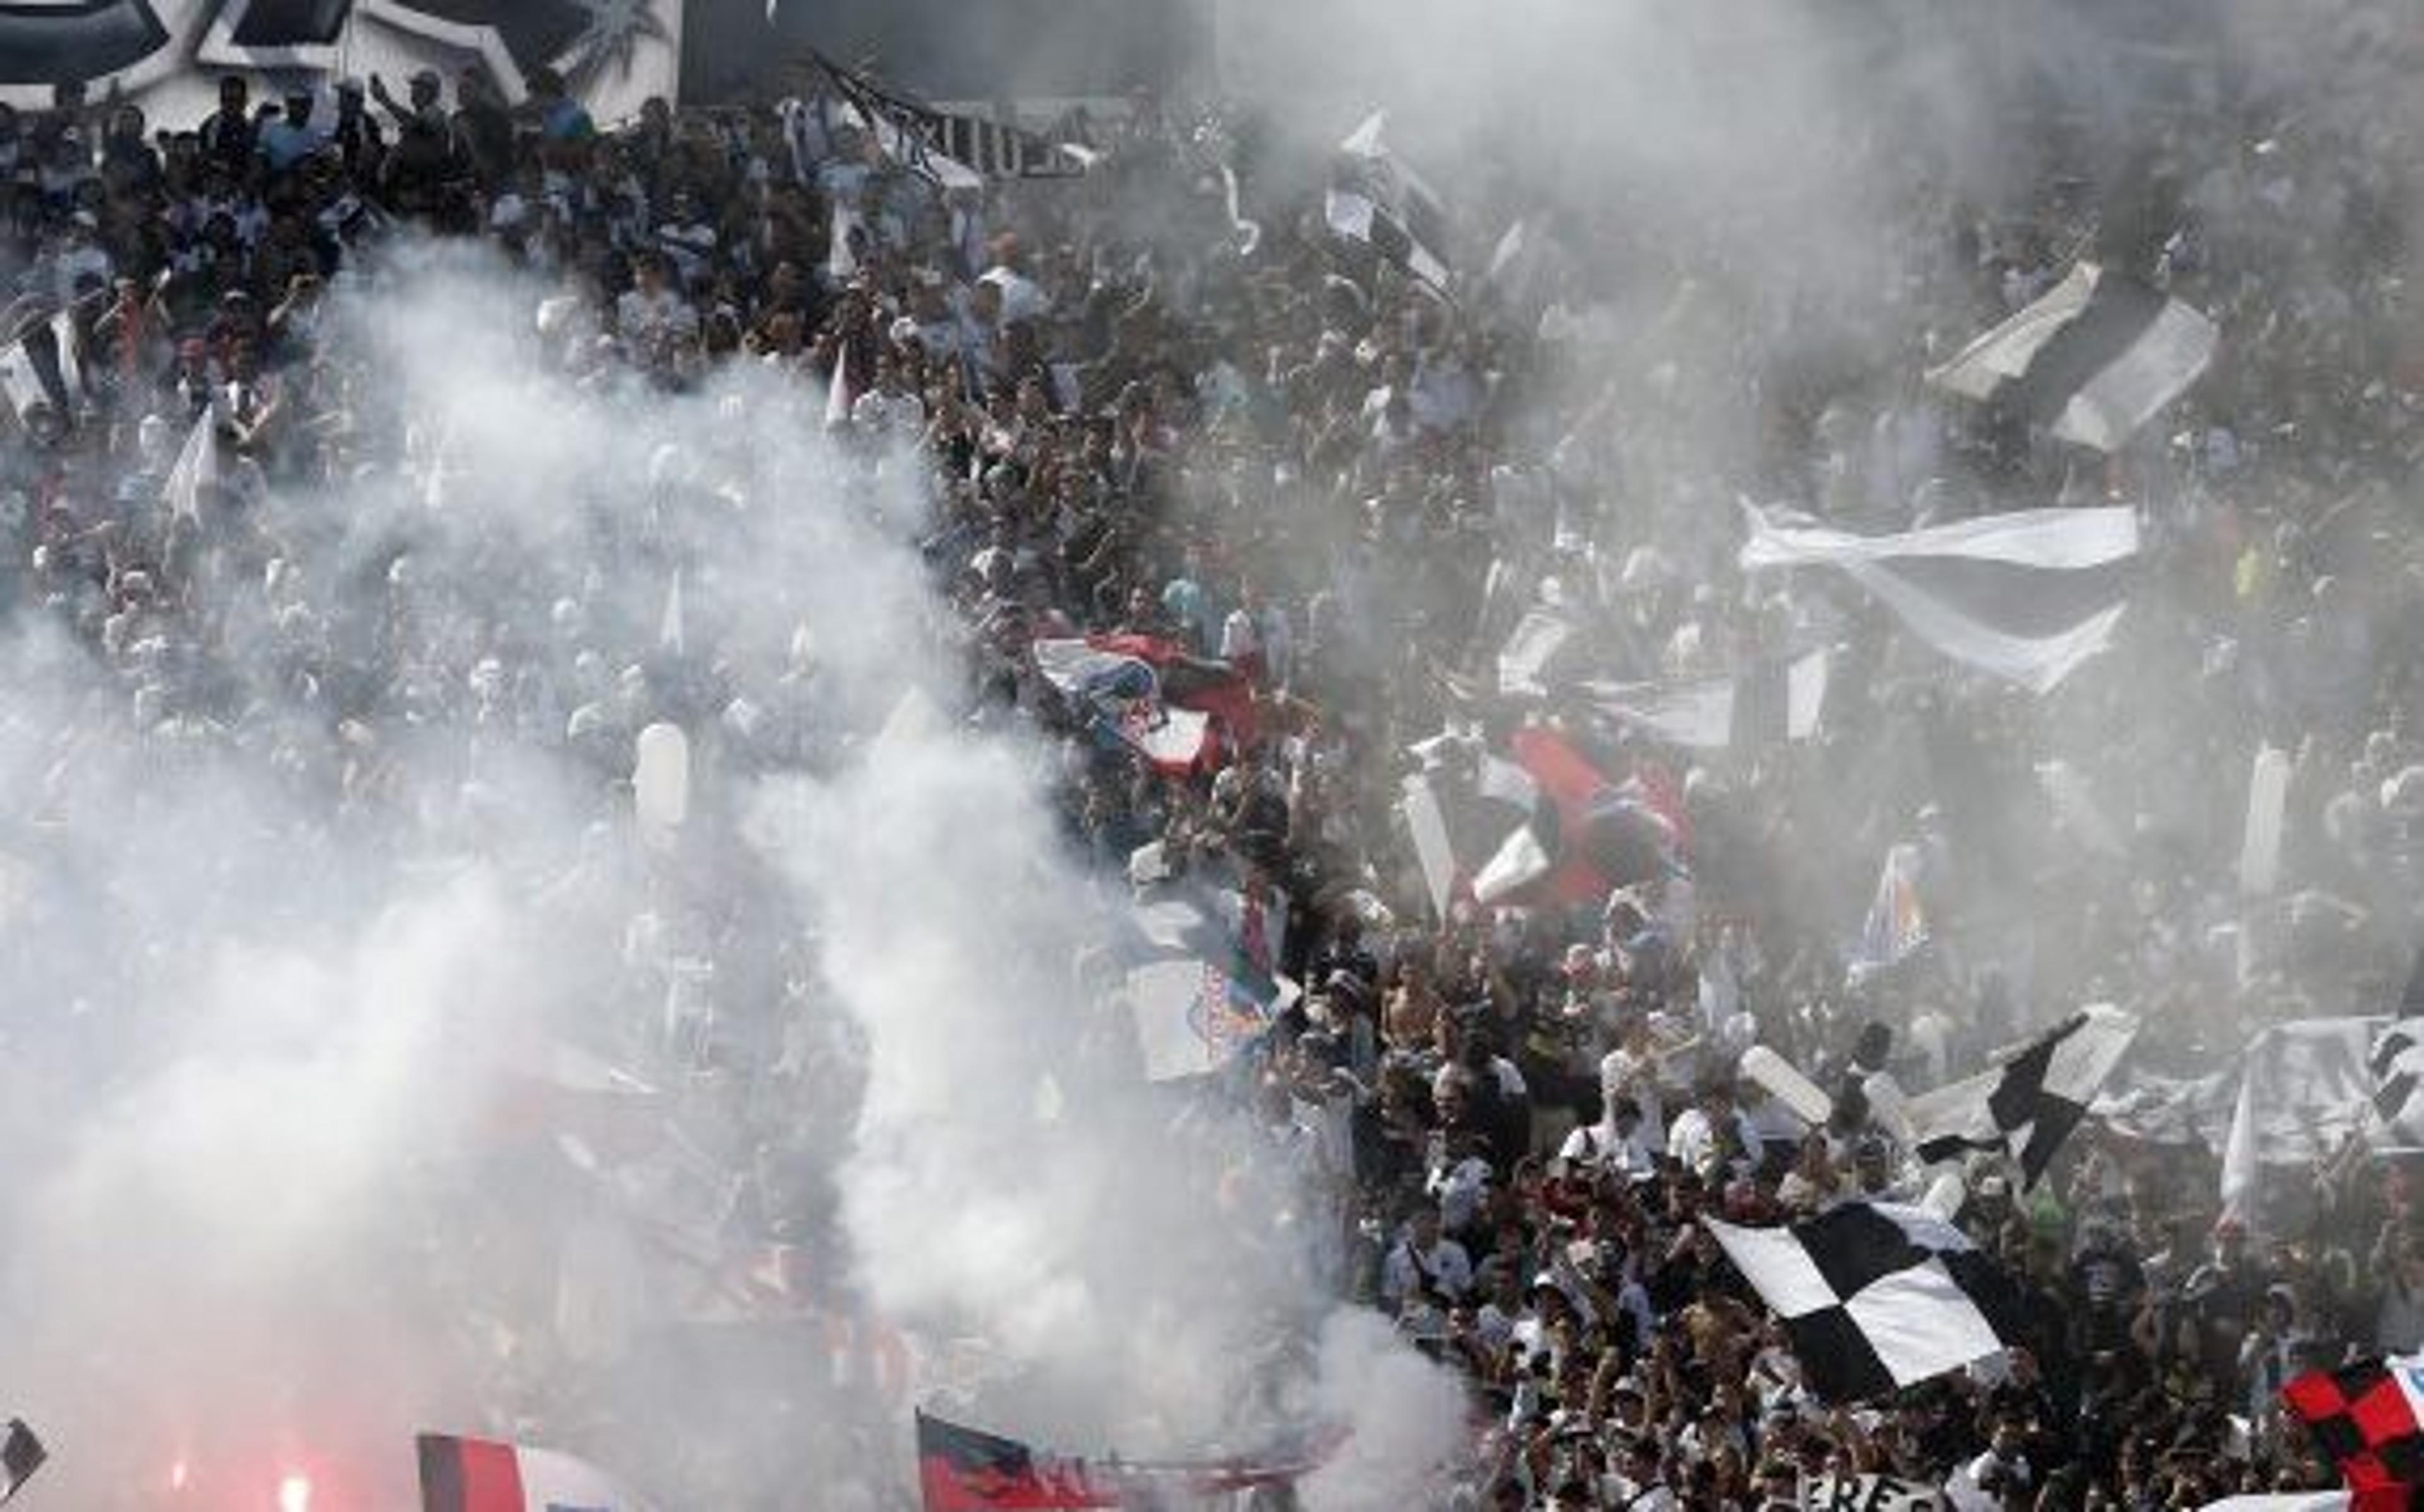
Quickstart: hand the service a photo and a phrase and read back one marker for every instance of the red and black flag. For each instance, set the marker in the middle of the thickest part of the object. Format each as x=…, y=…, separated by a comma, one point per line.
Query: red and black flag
x=964, y=1470
x=487, y=1475
x=2365, y=1417
x=1538, y=826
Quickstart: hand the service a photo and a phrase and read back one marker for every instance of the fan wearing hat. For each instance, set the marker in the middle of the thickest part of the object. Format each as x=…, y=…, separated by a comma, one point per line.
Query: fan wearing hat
x=290, y=137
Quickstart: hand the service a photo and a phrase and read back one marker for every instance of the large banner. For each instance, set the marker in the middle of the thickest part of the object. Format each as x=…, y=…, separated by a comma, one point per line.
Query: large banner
x=165, y=55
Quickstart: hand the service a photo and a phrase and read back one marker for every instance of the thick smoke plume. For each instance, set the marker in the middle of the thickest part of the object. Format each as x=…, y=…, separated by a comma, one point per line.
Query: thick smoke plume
x=292, y=940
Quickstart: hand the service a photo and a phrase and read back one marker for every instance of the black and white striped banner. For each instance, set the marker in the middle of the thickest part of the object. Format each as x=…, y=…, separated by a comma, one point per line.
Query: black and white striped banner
x=2026, y=595
x=956, y=149
x=1376, y=200
x=1773, y=701
x=2094, y=359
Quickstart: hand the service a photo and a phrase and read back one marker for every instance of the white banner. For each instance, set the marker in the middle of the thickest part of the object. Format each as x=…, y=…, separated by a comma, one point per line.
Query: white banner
x=1959, y=623
x=2051, y=539
x=2304, y=1087
x=1870, y=1493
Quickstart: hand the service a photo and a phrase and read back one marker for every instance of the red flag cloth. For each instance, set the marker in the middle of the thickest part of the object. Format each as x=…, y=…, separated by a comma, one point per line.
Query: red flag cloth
x=1572, y=787
x=1212, y=687
x=1124, y=692
x=1603, y=837
x=2364, y=1416
x=966, y=1469
x=468, y=1475
x=1663, y=796
x=963, y=1469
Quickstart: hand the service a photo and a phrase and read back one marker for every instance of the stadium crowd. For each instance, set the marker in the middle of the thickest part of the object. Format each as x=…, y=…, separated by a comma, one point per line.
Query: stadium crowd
x=1300, y=469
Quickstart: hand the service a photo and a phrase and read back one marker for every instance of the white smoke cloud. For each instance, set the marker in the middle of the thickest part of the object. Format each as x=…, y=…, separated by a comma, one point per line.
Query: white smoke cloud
x=250, y=1042
x=261, y=1224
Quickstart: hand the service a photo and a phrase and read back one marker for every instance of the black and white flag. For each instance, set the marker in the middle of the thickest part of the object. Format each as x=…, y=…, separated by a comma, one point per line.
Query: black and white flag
x=1203, y=974
x=1775, y=700
x=200, y=472
x=2153, y=1108
x=1537, y=651
x=1875, y=1295
x=21, y=1454
x=2026, y=595
x=67, y=354
x=2398, y=1067
x=42, y=369
x=1540, y=824
x=2306, y=1087
x=956, y=151
x=905, y=129
x=1469, y=812
x=2029, y=1104
x=21, y=384
x=1376, y=200
x=2091, y=360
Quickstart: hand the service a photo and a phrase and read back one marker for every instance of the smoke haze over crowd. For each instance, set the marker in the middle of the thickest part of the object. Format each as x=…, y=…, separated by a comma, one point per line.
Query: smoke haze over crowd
x=369, y=1066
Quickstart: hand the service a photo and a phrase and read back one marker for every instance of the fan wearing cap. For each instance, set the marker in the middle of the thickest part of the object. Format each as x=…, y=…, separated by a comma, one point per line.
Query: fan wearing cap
x=1547, y=1337
x=289, y=139
x=427, y=160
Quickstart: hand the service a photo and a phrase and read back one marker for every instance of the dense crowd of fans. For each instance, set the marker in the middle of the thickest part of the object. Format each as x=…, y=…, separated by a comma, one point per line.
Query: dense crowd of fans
x=1286, y=458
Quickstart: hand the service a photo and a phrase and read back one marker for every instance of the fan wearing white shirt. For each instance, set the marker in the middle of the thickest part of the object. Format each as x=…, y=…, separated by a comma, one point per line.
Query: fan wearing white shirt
x=1461, y=1184
x=651, y=313
x=686, y=238
x=1631, y=1070
x=1617, y=1144
x=1423, y=1257
x=1711, y=1137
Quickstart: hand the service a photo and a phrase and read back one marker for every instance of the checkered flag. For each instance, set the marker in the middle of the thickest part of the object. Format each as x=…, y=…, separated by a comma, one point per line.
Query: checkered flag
x=2364, y=1416
x=2029, y=1104
x=1876, y=1296
x=21, y=1454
